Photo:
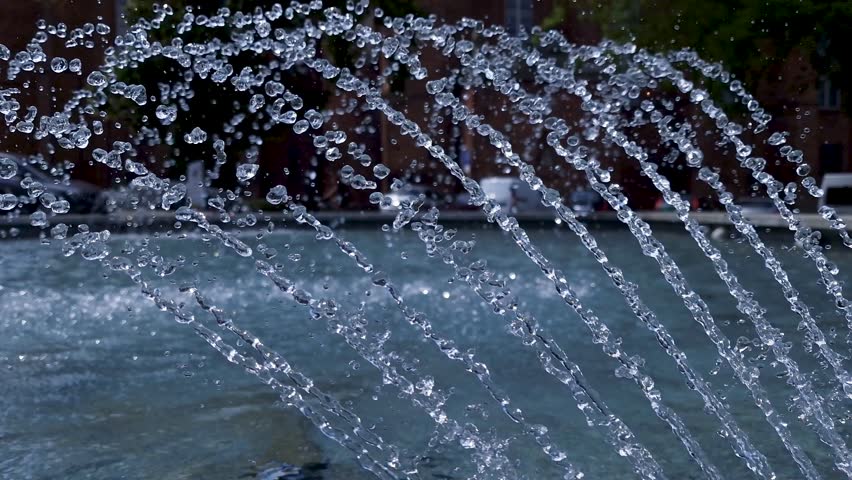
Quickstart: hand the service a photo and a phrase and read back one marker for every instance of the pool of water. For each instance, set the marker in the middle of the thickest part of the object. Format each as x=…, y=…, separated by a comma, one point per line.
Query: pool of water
x=97, y=383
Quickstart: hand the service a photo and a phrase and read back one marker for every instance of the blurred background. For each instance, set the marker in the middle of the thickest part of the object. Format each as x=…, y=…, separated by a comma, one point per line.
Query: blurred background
x=789, y=54
x=97, y=382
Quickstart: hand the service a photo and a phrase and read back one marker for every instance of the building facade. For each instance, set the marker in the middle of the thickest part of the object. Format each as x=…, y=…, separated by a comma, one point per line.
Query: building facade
x=801, y=103
x=49, y=92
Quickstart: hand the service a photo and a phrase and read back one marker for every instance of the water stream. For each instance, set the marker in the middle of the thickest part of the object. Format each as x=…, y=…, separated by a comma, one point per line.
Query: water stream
x=721, y=358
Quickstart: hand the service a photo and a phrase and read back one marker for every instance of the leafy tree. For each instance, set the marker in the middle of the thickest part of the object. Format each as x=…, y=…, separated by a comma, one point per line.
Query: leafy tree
x=752, y=38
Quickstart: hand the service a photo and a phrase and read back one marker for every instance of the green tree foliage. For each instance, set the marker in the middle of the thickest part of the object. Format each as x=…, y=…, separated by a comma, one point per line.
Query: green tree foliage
x=555, y=18
x=752, y=38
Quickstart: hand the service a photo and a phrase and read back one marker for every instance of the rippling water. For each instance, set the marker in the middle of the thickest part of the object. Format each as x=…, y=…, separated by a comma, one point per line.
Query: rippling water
x=96, y=383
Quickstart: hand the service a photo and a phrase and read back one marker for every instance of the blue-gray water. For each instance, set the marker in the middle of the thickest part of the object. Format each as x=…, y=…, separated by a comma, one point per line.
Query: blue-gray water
x=96, y=383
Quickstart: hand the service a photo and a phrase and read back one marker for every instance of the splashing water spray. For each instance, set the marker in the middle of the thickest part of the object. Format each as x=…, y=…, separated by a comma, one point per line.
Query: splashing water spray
x=616, y=90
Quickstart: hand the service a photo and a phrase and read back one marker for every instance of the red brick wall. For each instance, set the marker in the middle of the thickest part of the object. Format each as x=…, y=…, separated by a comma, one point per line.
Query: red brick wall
x=49, y=92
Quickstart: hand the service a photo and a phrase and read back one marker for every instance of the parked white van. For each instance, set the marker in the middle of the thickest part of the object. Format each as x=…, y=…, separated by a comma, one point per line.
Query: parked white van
x=512, y=194
x=499, y=189
x=837, y=192
x=515, y=195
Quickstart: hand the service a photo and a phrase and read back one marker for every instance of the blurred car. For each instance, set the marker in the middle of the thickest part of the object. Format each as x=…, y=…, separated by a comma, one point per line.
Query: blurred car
x=461, y=201
x=837, y=192
x=585, y=201
x=82, y=196
x=499, y=190
x=525, y=199
x=662, y=206
x=407, y=193
x=757, y=205
x=512, y=194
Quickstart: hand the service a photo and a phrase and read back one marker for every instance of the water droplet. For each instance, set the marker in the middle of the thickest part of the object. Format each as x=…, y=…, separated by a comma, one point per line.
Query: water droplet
x=301, y=126
x=173, y=195
x=8, y=201
x=196, y=136
x=276, y=195
x=96, y=79
x=166, y=113
x=58, y=64
x=8, y=168
x=247, y=171
x=381, y=171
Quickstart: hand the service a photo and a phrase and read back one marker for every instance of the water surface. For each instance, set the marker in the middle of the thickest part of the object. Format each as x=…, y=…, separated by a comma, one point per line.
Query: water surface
x=96, y=383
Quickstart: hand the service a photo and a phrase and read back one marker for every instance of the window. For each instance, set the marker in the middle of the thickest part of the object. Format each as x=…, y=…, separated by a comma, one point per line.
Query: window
x=831, y=158
x=519, y=15
x=828, y=96
x=839, y=197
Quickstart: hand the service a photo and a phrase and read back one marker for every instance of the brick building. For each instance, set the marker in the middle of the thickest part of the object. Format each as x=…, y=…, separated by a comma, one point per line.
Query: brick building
x=472, y=151
x=18, y=25
x=807, y=106
x=800, y=103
